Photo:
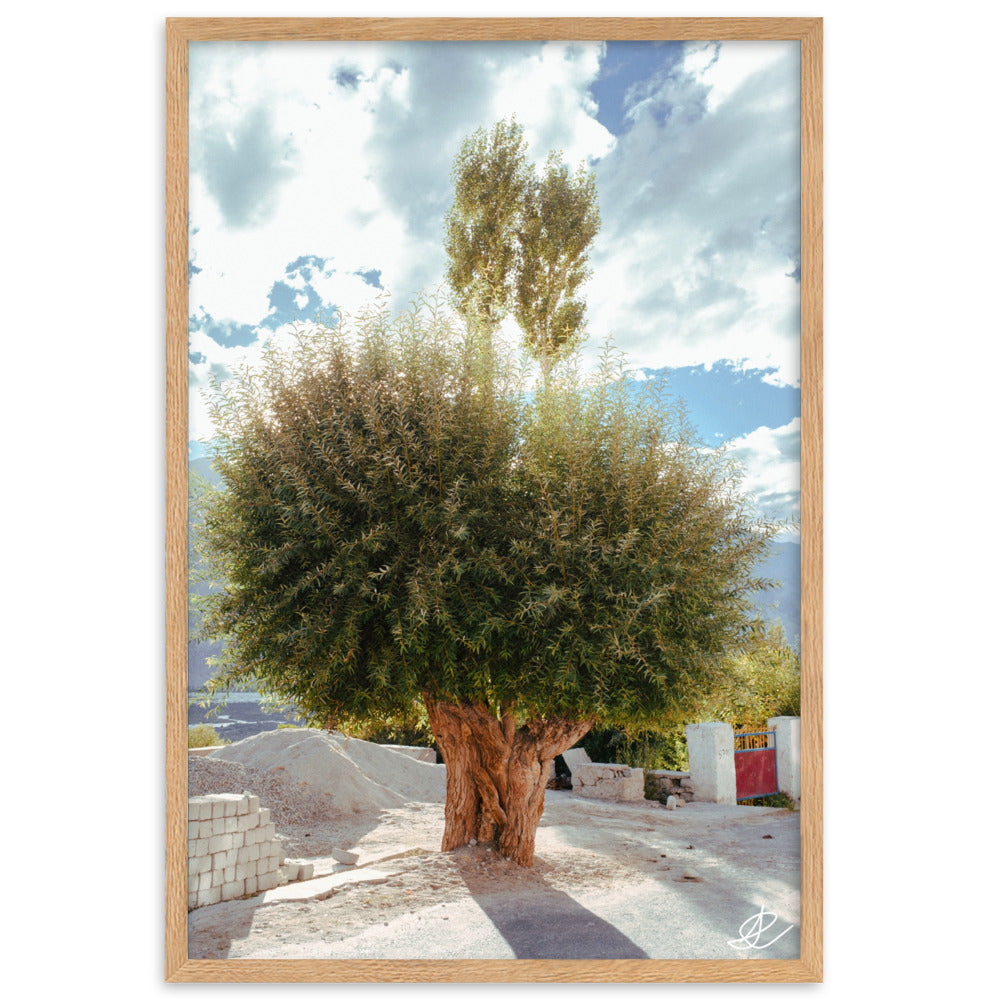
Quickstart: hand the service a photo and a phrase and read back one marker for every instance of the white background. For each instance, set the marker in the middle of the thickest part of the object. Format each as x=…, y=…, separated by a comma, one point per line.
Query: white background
x=911, y=543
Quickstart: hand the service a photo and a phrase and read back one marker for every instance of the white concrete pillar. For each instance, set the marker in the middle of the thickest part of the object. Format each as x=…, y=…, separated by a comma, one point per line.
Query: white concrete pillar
x=711, y=762
x=787, y=739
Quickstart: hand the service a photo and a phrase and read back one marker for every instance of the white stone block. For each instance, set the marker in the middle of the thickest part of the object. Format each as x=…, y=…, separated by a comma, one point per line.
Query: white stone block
x=613, y=782
x=206, y=897
x=198, y=865
x=232, y=890
x=575, y=757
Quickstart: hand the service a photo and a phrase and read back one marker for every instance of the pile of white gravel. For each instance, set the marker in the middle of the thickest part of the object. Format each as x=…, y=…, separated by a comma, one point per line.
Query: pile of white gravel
x=310, y=776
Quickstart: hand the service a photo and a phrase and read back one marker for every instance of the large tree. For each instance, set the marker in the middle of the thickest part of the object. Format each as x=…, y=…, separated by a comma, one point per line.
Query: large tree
x=397, y=527
x=519, y=241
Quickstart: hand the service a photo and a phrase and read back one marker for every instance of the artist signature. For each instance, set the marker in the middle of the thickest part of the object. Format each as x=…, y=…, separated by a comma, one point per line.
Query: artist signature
x=754, y=927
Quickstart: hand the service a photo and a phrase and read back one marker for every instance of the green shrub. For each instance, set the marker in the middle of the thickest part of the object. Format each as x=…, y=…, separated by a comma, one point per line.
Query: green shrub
x=204, y=735
x=651, y=789
x=779, y=801
x=762, y=682
x=665, y=750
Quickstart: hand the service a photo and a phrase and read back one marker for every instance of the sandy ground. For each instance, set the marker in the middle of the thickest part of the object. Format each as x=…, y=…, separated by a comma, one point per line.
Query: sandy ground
x=609, y=881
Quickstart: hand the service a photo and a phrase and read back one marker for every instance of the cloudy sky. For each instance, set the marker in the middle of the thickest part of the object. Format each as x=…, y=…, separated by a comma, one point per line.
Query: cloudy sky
x=320, y=176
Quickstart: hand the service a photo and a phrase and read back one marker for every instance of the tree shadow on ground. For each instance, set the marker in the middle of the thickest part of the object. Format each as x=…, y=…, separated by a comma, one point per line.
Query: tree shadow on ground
x=548, y=923
x=736, y=889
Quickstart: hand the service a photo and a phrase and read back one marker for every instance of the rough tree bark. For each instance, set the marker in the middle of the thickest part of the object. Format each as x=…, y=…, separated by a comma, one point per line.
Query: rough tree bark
x=496, y=774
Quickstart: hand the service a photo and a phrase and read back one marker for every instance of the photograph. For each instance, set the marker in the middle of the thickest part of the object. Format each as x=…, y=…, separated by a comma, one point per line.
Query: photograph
x=494, y=443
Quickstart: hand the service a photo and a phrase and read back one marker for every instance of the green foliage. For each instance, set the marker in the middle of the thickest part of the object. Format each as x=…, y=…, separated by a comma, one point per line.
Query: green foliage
x=519, y=241
x=745, y=689
x=395, y=522
x=760, y=682
x=491, y=175
x=204, y=735
x=643, y=551
x=778, y=801
x=560, y=220
x=656, y=750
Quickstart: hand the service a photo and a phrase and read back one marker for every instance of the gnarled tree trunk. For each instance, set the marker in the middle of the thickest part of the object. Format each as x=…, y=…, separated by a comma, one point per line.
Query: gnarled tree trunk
x=496, y=774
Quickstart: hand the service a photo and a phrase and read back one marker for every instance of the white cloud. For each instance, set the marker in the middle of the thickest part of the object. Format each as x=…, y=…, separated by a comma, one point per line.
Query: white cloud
x=741, y=62
x=771, y=462
x=699, y=202
x=699, y=198
x=549, y=93
x=329, y=207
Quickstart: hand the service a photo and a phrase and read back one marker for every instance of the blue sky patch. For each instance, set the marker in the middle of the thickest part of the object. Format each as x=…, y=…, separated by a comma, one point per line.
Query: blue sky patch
x=225, y=332
x=625, y=64
x=725, y=402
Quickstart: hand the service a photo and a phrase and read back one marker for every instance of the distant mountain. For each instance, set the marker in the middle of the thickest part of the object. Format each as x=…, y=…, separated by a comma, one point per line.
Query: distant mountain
x=781, y=603
x=199, y=652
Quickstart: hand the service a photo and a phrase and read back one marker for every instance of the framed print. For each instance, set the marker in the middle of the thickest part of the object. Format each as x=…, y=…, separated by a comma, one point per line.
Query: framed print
x=494, y=500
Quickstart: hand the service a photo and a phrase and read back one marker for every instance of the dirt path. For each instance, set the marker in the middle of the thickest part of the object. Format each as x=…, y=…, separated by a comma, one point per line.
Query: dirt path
x=609, y=881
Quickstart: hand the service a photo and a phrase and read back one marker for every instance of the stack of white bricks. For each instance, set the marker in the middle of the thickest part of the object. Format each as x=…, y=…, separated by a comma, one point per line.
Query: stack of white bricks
x=232, y=849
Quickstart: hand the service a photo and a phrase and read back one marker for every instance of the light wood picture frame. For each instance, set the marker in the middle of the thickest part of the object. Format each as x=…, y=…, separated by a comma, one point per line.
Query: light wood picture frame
x=808, y=32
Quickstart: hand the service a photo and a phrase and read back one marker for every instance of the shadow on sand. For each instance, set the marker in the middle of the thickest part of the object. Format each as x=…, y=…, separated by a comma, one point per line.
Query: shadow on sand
x=548, y=923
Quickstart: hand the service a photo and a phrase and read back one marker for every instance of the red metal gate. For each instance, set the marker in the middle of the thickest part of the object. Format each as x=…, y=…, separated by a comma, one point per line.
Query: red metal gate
x=756, y=758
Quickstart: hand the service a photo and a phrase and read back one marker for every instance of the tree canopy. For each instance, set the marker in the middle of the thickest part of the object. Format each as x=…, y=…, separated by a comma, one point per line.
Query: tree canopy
x=401, y=527
x=396, y=520
x=518, y=241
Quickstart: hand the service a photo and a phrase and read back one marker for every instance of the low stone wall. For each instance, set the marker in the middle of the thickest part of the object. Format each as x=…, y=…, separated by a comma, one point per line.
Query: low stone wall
x=614, y=782
x=676, y=783
x=232, y=849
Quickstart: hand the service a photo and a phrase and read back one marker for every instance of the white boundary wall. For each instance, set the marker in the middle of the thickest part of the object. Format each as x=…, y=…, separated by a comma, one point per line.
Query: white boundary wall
x=788, y=740
x=712, y=760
